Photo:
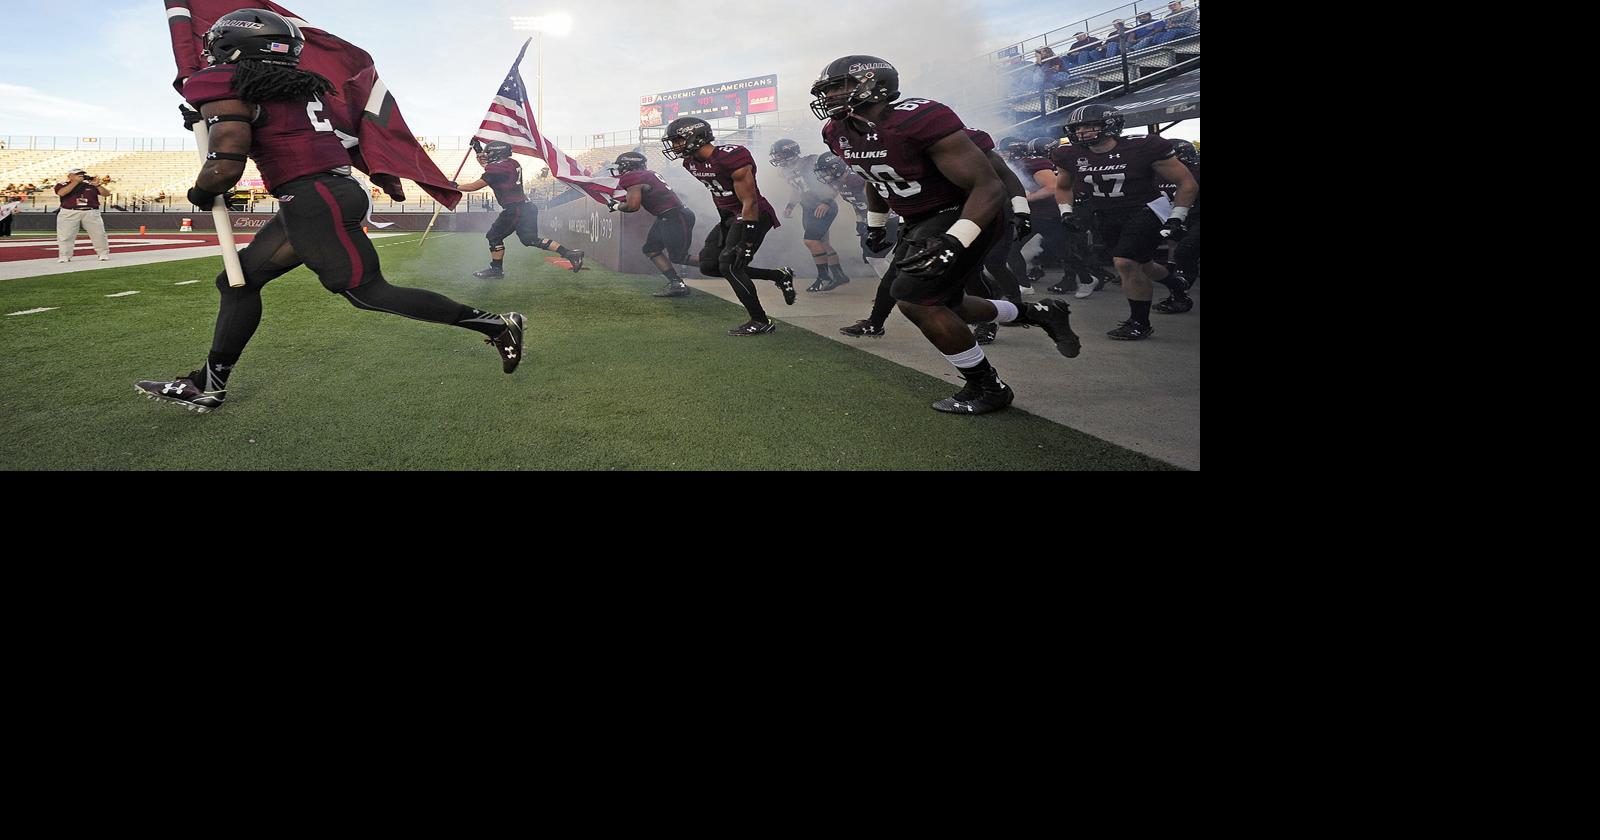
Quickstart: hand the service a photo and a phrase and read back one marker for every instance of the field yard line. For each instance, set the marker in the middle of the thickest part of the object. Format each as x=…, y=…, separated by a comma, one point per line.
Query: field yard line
x=122, y=294
x=33, y=311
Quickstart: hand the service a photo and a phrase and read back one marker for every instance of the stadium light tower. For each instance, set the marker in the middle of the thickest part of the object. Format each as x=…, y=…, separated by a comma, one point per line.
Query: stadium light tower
x=558, y=24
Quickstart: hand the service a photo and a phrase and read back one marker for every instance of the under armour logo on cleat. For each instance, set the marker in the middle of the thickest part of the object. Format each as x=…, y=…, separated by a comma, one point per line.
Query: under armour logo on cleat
x=172, y=388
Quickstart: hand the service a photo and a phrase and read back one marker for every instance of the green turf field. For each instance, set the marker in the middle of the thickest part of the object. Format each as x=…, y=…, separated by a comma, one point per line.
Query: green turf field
x=614, y=380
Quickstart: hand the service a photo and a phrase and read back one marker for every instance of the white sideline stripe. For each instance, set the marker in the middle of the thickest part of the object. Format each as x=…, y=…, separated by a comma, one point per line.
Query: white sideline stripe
x=33, y=311
x=186, y=282
x=122, y=294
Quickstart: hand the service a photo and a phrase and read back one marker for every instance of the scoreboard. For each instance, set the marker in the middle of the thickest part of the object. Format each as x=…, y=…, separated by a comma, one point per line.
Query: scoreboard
x=757, y=95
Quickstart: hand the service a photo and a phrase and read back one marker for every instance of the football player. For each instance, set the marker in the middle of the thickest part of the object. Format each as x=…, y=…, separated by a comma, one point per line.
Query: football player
x=1185, y=264
x=668, y=241
x=260, y=105
x=818, y=211
x=853, y=189
x=925, y=167
x=1120, y=176
x=729, y=173
x=997, y=280
x=502, y=172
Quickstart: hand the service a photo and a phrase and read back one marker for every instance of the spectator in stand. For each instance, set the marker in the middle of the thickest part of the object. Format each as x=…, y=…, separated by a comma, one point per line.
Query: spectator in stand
x=1180, y=22
x=1049, y=67
x=1147, y=32
x=1116, y=39
x=1084, y=50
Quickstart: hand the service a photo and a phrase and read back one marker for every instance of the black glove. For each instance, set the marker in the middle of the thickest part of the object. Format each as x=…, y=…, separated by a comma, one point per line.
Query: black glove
x=1069, y=223
x=930, y=258
x=612, y=204
x=391, y=185
x=1174, y=230
x=190, y=117
x=203, y=199
x=877, y=239
x=861, y=229
x=1023, y=224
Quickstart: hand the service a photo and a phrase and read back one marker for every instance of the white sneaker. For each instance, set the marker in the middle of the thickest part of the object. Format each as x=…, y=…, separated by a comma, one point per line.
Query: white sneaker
x=103, y=259
x=1084, y=290
x=1027, y=290
x=60, y=261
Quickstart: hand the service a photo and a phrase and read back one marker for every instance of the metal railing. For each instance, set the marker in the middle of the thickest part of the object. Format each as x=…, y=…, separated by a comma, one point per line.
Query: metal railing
x=1096, y=26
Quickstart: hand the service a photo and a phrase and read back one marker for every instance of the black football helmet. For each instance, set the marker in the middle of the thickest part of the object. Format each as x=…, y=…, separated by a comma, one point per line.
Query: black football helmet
x=785, y=152
x=497, y=151
x=1103, y=117
x=255, y=34
x=1012, y=148
x=630, y=162
x=1042, y=146
x=695, y=133
x=830, y=168
x=1188, y=155
x=871, y=79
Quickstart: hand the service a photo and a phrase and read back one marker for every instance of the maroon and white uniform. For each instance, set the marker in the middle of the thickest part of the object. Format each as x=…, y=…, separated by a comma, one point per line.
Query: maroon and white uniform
x=893, y=156
x=658, y=199
x=505, y=178
x=980, y=137
x=717, y=174
x=853, y=188
x=1122, y=179
x=289, y=140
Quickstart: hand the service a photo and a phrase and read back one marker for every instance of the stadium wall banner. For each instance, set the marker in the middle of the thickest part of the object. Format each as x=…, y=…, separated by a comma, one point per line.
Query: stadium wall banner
x=611, y=239
x=758, y=95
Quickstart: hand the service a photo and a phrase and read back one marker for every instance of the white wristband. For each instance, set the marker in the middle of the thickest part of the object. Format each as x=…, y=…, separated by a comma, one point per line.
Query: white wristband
x=1065, y=208
x=966, y=232
x=877, y=220
x=1180, y=213
x=1019, y=205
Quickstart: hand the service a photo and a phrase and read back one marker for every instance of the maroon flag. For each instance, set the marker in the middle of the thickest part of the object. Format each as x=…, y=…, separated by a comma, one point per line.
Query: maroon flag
x=509, y=119
x=363, y=112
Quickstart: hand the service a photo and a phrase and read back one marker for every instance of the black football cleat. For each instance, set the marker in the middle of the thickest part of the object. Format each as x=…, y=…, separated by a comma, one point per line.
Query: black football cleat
x=816, y=285
x=984, y=393
x=985, y=333
x=1131, y=330
x=753, y=327
x=1053, y=316
x=678, y=289
x=787, y=285
x=839, y=279
x=1175, y=304
x=1060, y=289
x=576, y=258
x=183, y=391
x=489, y=274
x=862, y=329
x=509, y=343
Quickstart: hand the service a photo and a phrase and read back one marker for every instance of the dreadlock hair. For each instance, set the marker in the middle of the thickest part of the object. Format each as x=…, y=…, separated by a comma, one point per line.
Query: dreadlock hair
x=259, y=81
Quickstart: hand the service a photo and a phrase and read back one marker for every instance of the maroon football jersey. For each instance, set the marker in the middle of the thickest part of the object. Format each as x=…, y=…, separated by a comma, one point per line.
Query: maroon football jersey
x=854, y=190
x=505, y=178
x=85, y=197
x=717, y=174
x=290, y=139
x=982, y=138
x=893, y=155
x=1121, y=179
x=656, y=200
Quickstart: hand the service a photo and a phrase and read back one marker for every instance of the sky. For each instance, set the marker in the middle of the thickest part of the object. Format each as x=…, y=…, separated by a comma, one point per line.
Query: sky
x=443, y=60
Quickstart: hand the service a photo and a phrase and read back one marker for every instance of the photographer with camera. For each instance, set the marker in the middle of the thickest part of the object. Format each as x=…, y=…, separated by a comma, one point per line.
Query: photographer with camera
x=80, y=207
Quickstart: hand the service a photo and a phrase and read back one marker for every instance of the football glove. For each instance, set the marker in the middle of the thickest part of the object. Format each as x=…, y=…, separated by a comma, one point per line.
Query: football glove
x=931, y=257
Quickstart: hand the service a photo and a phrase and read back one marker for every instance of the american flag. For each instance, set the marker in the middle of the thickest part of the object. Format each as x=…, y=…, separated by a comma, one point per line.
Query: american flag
x=510, y=120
